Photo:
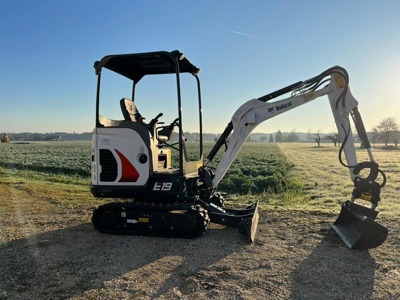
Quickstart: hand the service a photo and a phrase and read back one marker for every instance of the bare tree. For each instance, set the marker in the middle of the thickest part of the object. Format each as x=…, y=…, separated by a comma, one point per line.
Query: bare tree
x=386, y=130
x=396, y=138
x=334, y=137
x=317, y=138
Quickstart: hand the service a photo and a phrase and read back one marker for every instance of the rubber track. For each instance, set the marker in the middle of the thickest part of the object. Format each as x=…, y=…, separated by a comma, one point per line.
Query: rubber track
x=184, y=220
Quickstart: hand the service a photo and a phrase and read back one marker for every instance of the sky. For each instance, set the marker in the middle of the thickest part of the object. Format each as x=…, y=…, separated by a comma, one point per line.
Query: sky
x=245, y=49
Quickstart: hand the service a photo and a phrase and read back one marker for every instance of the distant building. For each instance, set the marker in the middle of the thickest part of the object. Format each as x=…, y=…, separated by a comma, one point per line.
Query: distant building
x=5, y=138
x=53, y=138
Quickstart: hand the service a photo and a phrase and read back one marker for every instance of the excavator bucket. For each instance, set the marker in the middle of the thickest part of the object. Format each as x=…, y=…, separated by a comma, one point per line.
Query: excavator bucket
x=357, y=228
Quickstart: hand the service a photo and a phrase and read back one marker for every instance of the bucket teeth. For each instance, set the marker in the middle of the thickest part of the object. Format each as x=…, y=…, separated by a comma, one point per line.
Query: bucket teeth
x=355, y=225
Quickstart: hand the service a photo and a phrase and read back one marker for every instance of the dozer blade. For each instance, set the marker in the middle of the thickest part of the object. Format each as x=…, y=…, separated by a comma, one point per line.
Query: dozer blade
x=249, y=226
x=246, y=220
x=356, y=227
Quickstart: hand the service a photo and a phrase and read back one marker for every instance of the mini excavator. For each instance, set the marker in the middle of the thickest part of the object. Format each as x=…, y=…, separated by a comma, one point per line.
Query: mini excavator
x=163, y=191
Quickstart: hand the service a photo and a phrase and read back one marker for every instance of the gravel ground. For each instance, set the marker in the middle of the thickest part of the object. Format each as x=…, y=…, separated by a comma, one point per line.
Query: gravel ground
x=56, y=254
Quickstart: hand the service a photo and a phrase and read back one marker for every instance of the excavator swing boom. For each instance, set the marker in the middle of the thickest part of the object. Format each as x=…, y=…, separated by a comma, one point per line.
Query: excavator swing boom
x=355, y=224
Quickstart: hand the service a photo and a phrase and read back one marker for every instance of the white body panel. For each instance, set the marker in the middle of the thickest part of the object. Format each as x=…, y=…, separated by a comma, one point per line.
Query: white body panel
x=127, y=142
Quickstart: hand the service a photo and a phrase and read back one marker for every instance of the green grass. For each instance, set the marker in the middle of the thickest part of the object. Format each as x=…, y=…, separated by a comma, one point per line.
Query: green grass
x=281, y=176
x=326, y=183
x=60, y=158
x=260, y=168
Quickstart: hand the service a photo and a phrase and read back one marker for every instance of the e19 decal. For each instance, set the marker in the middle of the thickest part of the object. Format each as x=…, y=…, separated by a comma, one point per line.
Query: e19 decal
x=162, y=186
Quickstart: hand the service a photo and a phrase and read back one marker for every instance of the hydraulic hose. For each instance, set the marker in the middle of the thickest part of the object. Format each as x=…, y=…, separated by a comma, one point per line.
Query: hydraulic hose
x=221, y=141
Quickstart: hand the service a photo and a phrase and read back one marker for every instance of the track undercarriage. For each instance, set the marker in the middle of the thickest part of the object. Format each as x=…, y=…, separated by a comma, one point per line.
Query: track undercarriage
x=178, y=219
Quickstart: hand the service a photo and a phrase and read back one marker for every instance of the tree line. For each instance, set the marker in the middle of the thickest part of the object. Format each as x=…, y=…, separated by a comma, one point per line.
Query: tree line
x=49, y=136
x=386, y=132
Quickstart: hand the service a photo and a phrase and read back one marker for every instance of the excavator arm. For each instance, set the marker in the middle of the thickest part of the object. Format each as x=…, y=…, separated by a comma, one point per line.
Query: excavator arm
x=333, y=83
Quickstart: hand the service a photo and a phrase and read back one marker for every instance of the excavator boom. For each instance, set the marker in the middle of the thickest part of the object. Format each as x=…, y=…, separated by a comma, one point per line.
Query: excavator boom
x=355, y=224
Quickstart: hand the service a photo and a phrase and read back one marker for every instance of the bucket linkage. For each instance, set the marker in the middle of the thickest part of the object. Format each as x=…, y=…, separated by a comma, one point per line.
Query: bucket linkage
x=356, y=224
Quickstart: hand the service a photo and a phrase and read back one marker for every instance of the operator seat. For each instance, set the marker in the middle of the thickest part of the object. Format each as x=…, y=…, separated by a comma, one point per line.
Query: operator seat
x=164, y=134
x=130, y=111
x=134, y=120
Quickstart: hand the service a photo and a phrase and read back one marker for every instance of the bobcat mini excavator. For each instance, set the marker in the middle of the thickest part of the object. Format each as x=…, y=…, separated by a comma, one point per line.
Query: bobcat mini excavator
x=170, y=192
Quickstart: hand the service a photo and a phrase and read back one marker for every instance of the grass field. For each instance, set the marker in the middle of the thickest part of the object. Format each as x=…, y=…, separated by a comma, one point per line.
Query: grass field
x=327, y=183
x=48, y=248
x=286, y=175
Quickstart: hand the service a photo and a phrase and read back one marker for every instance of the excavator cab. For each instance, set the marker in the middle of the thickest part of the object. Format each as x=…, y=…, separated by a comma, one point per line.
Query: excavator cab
x=137, y=146
x=150, y=163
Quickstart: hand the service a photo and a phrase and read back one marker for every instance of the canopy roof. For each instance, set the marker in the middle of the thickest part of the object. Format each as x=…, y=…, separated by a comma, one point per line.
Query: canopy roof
x=135, y=66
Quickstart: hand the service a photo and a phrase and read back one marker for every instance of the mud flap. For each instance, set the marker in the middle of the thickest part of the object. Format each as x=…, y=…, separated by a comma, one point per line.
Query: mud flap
x=355, y=225
x=246, y=220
